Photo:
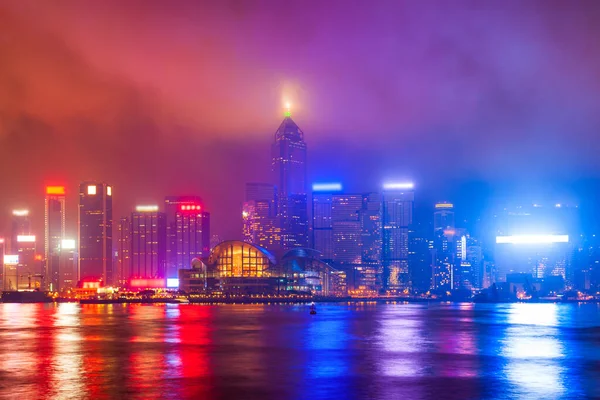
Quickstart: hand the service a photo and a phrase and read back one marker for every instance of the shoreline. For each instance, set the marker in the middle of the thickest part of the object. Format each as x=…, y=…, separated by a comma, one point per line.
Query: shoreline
x=378, y=300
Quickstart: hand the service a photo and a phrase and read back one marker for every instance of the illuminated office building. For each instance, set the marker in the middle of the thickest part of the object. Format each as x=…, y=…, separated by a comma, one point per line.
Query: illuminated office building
x=535, y=239
x=289, y=168
x=67, y=270
x=322, y=222
x=10, y=275
x=371, y=270
x=419, y=257
x=20, y=225
x=30, y=273
x=95, y=232
x=124, y=251
x=148, y=243
x=259, y=216
x=54, y=229
x=398, y=202
x=192, y=234
x=443, y=216
x=346, y=228
x=176, y=249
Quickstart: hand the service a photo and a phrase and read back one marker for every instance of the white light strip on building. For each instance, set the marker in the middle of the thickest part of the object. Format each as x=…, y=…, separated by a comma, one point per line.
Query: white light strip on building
x=398, y=186
x=327, y=187
x=146, y=208
x=25, y=238
x=532, y=239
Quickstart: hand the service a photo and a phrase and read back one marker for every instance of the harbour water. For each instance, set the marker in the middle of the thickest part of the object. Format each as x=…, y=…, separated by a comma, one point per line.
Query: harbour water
x=346, y=351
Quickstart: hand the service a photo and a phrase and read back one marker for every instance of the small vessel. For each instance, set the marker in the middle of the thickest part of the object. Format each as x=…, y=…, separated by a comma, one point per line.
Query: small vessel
x=313, y=309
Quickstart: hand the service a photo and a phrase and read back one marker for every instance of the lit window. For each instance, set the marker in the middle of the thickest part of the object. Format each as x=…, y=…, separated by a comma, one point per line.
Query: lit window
x=91, y=189
x=108, y=191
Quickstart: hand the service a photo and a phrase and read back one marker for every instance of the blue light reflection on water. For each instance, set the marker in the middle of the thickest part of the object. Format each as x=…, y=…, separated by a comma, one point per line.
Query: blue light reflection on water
x=364, y=350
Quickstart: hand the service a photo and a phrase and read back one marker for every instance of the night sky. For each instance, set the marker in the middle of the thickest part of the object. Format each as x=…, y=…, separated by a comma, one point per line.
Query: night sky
x=467, y=98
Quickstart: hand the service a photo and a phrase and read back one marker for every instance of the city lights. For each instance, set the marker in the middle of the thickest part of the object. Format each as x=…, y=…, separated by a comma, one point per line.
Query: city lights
x=398, y=186
x=11, y=259
x=190, y=207
x=146, y=208
x=172, y=283
x=20, y=213
x=444, y=205
x=91, y=189
x=67, y=244
x=532, y=239
x=55, y=190
x=25, y=238
x=326, y=187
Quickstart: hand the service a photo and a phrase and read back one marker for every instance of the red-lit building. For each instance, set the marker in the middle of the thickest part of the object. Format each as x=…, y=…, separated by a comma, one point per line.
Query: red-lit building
x=148, y=243
x=95, y=232
x=54, y=229
x=188, y=232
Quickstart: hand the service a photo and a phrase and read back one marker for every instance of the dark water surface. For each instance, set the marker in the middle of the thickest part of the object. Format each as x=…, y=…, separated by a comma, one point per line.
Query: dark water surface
x=346, y=351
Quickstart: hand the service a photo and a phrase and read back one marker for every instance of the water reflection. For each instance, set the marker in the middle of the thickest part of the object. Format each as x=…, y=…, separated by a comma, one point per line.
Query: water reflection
x=416, y=351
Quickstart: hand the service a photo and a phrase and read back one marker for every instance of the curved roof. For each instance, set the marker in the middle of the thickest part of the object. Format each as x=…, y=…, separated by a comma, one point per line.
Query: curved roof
x=301, y=252
x=261, y=249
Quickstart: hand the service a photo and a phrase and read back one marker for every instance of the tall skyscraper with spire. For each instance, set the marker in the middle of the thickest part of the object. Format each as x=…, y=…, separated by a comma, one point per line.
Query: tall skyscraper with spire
x=289, y=168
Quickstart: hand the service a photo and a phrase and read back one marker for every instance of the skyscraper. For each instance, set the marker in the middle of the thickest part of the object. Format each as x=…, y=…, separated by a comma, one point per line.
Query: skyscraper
x=192, y=234
x=346, y=229
x=443, y=216
x=371, y=241
x=289, y=168
x=54, y=229
x=29, y=270
x=124, y=251
x=398, y=201
x=419, y=257
x=259, y=214
x=148, y=242
x=95, y=232
x=20, y=225
x=67, y=270
x=174, y=205
x=322, y=223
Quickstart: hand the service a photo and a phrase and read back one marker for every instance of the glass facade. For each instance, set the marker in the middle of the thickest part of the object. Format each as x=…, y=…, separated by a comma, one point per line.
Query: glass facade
x=236, y=259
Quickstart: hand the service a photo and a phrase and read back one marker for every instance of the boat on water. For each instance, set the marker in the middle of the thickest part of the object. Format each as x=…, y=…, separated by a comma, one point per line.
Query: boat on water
x=33, y=296
x=313, y=309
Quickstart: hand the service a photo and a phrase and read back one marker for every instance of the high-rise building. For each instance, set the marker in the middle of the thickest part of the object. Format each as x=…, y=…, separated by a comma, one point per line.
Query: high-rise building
x=344, y=225
x=124, y=251
x=148, y=242
x=346, y=229
x=443, y=216
x=174, y=205
x=419, y=257
x=54, y=229
x=289, y=167
x=371, y=241
x=30, y=274
x=259, y=214
x=95, y=232
x=322, y=223
x=398, y=203
x=67, y=270
x=192, y=234
x=20, y=225
x=446, y=248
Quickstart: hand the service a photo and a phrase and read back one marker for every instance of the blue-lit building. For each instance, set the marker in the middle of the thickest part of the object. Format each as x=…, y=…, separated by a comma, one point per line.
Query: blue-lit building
x=288, y=153
x=397, y=211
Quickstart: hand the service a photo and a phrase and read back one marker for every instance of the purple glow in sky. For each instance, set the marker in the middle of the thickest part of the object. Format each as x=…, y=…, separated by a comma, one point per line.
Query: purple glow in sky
x=178, y=97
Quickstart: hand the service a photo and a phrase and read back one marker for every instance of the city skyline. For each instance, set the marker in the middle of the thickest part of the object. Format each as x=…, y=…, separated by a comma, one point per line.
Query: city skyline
x=446, y=115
